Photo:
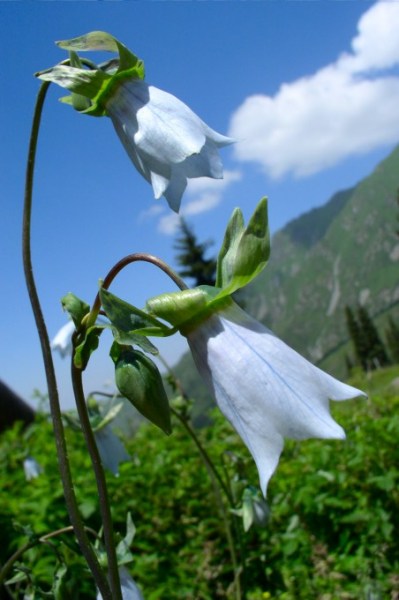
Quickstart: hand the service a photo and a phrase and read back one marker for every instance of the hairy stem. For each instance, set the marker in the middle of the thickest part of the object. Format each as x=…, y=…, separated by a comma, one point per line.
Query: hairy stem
x=105, y=509
x=61, y=448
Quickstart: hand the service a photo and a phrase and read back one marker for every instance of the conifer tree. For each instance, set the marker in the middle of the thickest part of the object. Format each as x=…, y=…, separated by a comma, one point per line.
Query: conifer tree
x=376, y=353
x=369, y=348
x=392, y=338
x=357, y=337
x=191, y=257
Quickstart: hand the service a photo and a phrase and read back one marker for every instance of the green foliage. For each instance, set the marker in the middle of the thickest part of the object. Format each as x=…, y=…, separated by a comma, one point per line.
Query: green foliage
x=333, y=508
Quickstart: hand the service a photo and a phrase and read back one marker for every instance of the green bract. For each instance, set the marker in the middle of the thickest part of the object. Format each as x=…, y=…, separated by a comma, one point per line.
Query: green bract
x=245, y=250
x=75, y=307
x=99, y=82
x=243, y=255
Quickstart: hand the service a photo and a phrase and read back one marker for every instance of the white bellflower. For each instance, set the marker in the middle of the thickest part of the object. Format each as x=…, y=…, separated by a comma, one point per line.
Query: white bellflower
x=62, y=341
x=166, y=141
x=266, y=390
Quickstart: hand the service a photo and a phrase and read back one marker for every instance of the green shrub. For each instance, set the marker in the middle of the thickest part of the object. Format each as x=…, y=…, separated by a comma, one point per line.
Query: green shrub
x=331, y=534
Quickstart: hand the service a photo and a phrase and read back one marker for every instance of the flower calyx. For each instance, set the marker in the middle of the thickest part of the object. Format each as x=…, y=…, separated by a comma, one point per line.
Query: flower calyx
x=244, y=254
x=99, y=82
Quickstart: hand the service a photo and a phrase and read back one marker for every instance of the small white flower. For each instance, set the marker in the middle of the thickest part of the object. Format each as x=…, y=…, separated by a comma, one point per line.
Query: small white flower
x=266, y=390
x=129, y=588
x=166, y=141
x=62, y=342
x=32, y=469
x=111, y=449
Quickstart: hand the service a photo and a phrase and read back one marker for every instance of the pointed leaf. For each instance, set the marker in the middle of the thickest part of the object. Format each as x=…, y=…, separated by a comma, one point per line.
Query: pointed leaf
x=232, y=236
x=75, y=307
x=89, y=344
x=127, y=319
x=244, y=252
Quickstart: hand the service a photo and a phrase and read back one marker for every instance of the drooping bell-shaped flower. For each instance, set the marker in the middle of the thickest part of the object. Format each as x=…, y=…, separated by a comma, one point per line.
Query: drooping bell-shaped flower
x=62, y=341
x=32, y=469
x=166, y=141
x=266, y=390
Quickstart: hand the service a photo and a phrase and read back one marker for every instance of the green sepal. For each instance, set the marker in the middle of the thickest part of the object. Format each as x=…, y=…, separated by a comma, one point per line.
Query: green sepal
x=85, y=82
x=75, y=307
x=187, y=308
x=129, y=322
x=103, y=41
x=85, y=348
x=245, y=250
x=139, y=381
x=79, y=102
x=95, y=84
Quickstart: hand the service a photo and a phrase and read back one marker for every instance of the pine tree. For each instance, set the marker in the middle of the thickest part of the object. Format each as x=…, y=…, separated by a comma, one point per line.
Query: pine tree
x=369, y=348
x=376, y=353
x=191, y=257
x=392, y=338
x=357, y=337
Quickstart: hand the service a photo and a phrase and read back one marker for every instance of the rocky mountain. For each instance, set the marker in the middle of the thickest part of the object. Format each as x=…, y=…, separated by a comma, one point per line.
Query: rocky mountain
x=345, y=252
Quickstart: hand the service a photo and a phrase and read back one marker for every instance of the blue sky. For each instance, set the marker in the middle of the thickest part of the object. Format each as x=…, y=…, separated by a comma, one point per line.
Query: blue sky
x=309, y=89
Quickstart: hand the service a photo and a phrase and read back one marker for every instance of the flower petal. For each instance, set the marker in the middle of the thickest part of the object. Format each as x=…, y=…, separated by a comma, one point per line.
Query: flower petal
x=166, y=141
x=266, y=390
x=62, y=342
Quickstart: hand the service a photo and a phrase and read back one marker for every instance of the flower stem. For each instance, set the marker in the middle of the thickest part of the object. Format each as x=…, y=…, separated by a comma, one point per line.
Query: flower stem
x=105, y=509
x=218, y=487
x=127, y=260
x=61, y=448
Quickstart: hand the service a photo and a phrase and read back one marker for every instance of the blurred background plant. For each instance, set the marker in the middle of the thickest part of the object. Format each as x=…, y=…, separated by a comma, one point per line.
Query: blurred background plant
x=331, y=531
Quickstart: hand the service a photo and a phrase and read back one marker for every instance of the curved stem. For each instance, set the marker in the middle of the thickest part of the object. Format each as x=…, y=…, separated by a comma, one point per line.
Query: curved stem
x=220, y=485
x=109, y=542
x=62, y=453
x=127, y=260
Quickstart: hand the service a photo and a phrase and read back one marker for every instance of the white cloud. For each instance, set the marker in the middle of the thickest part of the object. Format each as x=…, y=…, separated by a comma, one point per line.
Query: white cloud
x=202, y=194
x=348, y=107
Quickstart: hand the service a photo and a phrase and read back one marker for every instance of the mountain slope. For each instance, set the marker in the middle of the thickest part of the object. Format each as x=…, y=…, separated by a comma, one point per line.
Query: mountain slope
x=311, y=277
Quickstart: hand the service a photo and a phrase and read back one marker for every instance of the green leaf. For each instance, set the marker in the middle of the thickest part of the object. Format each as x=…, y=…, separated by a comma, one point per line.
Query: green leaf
x=129, y=322
x=138, y=379
x=123, y=548
x=76, y=308
x=59, y=581
x=89, y=344
x=245, y=251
